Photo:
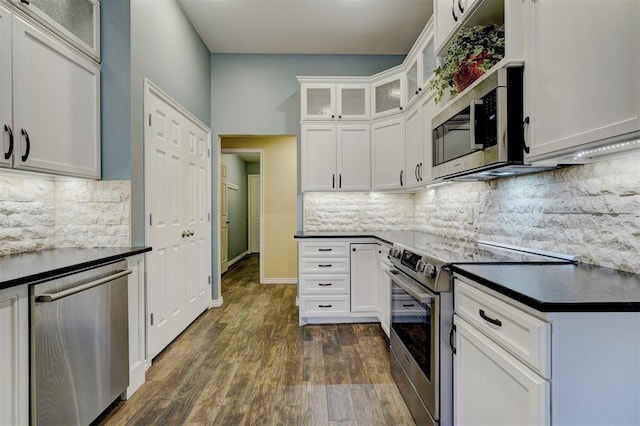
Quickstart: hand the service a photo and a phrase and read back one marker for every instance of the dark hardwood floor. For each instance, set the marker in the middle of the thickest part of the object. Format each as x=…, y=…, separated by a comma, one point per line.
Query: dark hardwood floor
x=249, y=363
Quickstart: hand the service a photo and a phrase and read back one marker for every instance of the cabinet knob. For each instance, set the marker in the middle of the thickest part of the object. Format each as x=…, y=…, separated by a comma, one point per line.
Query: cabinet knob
x=419, y=89
x=339, y=116
x=416, y=92
x=400, y=108
x=333, y=116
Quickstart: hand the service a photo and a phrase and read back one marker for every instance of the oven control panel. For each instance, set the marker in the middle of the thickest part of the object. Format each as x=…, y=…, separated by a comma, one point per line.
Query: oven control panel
x=415, y=262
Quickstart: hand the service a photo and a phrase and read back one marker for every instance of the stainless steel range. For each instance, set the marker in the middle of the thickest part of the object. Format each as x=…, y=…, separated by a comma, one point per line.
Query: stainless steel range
x=422, y=315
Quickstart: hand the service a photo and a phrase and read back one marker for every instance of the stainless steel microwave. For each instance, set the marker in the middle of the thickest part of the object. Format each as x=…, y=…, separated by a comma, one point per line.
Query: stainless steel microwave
x=480, y=135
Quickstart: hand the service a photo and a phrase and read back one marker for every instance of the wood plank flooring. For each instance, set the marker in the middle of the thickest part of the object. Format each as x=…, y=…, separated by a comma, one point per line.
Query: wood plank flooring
x=249, y=363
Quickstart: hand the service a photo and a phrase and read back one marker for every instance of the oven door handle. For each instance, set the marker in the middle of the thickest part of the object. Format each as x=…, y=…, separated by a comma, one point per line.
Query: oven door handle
x=413, y=289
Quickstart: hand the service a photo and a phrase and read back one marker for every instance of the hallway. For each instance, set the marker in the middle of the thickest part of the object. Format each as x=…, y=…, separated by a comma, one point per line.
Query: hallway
x=248, y=362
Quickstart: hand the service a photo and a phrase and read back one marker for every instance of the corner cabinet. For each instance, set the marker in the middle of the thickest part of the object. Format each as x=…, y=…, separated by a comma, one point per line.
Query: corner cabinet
x=572, y=100
x=388, y=93
x=53, y=123
x=14, y=356
x=388, y=158
x=335, y=283
x=336, y=157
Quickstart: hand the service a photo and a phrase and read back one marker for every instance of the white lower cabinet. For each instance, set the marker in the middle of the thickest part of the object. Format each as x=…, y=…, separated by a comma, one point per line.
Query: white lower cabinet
x=14, y=356
x=138, y=354
x=505, y=351
x=492, y=387
x=337, y=281
x=364, y=277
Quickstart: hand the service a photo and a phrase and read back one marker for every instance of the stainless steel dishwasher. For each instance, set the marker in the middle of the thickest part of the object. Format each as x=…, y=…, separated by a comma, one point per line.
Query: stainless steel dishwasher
x=79, y=344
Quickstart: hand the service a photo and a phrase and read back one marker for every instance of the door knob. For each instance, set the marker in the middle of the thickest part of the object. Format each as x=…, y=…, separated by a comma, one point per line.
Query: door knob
x=185, y=234
x=191, y=233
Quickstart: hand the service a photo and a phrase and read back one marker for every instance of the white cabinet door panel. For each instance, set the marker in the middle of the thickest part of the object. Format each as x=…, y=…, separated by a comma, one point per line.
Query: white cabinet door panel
x=414, y=154
x=364, y=294
x=318, y=157
x=354, y=157
x=14, y=356
x=491, y=387
x=56, y=107
x=387, y=145
x=6, y=119
x=570, y=98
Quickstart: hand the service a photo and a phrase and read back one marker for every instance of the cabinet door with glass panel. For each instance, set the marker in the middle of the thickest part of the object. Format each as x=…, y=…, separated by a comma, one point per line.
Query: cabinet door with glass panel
x=388, y=93
x=77, y=21
x=334, y=101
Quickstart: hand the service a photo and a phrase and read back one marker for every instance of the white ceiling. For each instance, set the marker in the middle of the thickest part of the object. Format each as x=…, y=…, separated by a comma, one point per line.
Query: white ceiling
x=377, y=27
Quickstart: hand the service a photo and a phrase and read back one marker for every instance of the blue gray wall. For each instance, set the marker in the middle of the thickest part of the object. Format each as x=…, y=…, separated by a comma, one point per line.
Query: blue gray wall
x=167, y=50
x=115, y=48
x=237, y=202
x=253, y=168
x=258, y=94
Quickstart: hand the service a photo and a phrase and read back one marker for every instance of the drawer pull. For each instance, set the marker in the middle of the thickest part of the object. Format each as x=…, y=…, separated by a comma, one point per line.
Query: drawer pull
x=408, y=305
x=325, y=306
x=324, y=284
x=325, y=249
x=489, y=319
x=325, y=266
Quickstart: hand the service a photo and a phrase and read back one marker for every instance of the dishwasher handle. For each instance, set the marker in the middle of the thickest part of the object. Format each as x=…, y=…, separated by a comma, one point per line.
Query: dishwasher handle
x=52, y=297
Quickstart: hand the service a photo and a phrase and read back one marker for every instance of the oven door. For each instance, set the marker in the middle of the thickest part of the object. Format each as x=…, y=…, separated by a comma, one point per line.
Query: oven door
x=414, y=336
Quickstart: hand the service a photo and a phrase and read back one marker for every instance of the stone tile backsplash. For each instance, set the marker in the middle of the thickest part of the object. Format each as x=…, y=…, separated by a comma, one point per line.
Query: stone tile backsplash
x=357, y=211
x=39, y=212
x=592, y=211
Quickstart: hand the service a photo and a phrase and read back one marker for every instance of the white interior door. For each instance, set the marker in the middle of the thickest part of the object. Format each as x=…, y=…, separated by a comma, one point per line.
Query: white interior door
x=163, y=183
x=197, y=207
x=224, y=220
x=254, y=213
x=178, y=207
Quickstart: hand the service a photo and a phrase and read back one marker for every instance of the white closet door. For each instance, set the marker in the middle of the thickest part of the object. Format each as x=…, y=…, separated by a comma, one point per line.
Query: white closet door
x=163, y=186
x=196, y=205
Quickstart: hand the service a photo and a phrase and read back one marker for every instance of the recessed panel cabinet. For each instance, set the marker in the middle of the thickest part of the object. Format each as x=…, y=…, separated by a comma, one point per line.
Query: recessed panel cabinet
x=388, y=148
x=364, y=294
x=14, y=356
x=53, y=123
x=389, y=95
x=336, y=157
x=571, y=99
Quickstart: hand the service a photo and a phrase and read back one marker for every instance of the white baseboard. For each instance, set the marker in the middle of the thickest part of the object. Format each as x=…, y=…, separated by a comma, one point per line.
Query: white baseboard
x=216, y=303
x=237, y=258
x=279, y=281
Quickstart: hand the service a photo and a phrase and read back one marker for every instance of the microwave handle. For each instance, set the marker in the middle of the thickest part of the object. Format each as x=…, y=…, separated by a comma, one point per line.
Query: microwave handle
x=473, y=125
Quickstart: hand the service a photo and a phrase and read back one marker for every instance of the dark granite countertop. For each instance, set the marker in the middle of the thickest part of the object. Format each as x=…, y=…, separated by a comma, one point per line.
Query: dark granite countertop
x=390, y=237
x=560, y=287
x=23, y=268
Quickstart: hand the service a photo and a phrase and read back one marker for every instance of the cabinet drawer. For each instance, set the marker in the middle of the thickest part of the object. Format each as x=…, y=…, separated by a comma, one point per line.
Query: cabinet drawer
x=323, y=249
x=324, y=306
x=324, y=266
x=525, y=336
x=324, y=284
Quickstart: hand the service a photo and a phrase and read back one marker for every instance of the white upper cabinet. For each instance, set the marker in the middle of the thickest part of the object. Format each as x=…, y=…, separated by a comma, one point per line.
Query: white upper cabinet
x=428, y=109
x=77, y=21
x=334, y=101
x=336, y=157
x=450, y=14
x=413, y=146
x=388, y=93
x=388, y=159
x=420, y=64
x=573, y=101
x=56, y=105
x=8, y=138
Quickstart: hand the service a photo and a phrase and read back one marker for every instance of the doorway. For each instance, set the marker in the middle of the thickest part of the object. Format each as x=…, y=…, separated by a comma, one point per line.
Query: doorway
x=241, y=205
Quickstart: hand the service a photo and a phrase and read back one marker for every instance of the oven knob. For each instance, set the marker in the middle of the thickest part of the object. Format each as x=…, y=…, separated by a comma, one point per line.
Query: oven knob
x=430, y=270
x=420, y=265
x=396, y=253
